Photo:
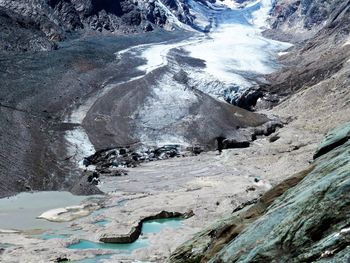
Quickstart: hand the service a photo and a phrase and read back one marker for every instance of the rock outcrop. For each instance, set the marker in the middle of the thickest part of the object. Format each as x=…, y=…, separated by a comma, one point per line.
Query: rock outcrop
x=336, y=138
x=303, y=219
x=300, y=20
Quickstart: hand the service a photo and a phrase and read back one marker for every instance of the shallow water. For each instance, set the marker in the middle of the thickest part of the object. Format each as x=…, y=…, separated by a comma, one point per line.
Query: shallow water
x=151, y=226
x=20, y=212
x=157, y=225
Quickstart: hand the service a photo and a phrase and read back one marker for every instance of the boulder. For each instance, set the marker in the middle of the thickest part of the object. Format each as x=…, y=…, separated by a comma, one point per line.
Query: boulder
x=334, y=139
x=84, y=187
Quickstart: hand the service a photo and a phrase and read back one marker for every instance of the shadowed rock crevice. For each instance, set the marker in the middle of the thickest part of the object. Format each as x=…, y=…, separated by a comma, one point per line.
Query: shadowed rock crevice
x=110, y=6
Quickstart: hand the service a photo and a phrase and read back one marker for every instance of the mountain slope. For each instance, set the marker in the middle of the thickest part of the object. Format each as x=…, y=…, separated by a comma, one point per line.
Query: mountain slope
x=41, y=23
x=296, y=20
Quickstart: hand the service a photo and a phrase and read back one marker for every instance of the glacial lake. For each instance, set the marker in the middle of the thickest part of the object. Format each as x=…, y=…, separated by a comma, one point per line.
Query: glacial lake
x=20, y=212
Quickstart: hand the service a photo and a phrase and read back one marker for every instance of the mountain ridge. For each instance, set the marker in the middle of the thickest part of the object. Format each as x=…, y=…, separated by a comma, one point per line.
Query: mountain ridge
x=43, y=23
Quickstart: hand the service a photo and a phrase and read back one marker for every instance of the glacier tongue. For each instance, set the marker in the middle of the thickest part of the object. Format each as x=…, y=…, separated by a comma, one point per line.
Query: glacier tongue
x=178, y=95
x=234, y=51
x=233, y=55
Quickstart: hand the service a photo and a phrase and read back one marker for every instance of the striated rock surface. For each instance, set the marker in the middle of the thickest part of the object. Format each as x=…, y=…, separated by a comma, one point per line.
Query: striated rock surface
x=305, y=223
x=334, y=139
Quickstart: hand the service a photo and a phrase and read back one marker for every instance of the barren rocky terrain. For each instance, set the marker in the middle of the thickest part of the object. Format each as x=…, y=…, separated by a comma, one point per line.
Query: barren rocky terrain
x=285, y=198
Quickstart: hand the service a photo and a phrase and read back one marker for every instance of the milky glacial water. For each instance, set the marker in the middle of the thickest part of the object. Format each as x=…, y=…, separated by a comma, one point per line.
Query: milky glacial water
x=20, y=212
x=157, y=225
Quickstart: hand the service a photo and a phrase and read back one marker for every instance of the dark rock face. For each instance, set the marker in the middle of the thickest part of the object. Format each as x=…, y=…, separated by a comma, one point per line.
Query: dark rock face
x=28, y=36
x=303, y=219
x=110, y=6
x=39, y=24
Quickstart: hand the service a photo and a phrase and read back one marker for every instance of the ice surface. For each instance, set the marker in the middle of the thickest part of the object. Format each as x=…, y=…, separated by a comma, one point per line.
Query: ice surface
x=203, y=16
x=169, y=104
x=260, y=16
x=236, y=47
x=79, y=145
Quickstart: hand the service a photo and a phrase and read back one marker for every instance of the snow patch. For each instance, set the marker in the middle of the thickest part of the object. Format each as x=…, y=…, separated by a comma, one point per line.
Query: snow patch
x=228, y=3
x=156, y=55
x=65, y=214
x=282, y=53
x=171, y=17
